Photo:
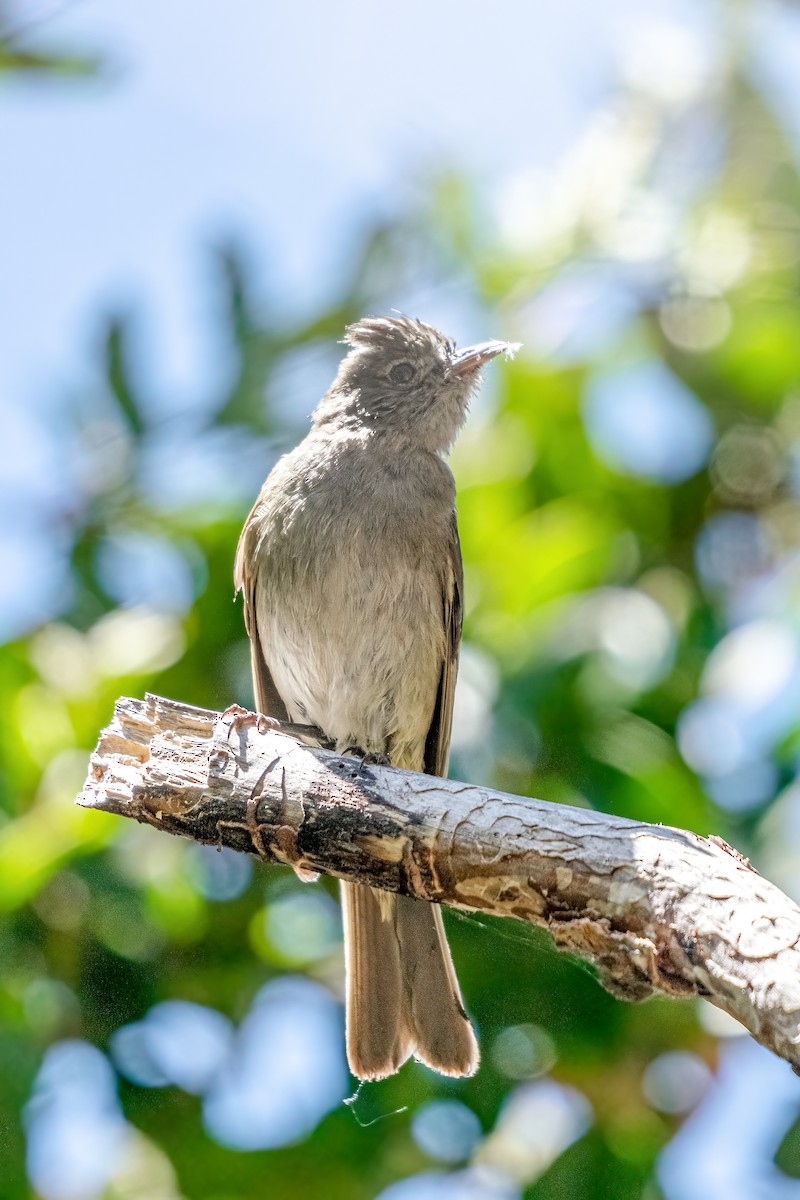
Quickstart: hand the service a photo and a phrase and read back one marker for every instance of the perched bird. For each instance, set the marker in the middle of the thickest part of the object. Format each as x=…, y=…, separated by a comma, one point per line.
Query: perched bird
x=350, y=567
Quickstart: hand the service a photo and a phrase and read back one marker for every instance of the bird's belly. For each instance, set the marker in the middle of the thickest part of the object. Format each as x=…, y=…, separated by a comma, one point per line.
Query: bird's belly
x=360, y=658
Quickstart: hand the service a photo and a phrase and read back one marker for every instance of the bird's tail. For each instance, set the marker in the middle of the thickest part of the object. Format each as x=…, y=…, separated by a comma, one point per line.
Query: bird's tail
x=402, y=993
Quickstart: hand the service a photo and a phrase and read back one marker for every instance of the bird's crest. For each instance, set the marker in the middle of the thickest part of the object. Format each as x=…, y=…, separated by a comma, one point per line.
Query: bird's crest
x=381, y=332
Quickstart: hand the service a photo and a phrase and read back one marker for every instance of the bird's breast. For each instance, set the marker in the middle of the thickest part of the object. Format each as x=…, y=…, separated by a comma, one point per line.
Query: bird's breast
x=350, y=598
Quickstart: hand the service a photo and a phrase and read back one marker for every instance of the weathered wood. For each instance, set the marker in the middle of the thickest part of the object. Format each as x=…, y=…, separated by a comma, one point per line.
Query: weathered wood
x=653, y=908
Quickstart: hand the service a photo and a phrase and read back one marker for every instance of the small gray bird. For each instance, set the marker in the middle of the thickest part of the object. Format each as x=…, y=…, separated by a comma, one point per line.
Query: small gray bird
x=350, y=568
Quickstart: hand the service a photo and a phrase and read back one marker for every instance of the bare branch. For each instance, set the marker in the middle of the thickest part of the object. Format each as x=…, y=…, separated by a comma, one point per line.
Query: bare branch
x=653, y=908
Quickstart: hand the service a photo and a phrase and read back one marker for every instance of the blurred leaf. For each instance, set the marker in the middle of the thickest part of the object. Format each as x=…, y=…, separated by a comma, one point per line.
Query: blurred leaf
x=120, y=357
x=18, y=61
x=787, y=1156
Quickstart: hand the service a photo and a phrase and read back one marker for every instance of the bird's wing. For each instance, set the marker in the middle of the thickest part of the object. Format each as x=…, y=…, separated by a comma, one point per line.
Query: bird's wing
x=267, y=697
x=437, y=743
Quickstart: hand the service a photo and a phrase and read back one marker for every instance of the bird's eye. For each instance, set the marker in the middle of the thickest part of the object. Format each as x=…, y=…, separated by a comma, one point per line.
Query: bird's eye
x=401, y=372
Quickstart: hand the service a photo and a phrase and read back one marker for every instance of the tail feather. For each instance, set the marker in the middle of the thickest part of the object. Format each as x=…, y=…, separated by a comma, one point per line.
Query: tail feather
x=434, y=1011
x=377, y=1044
x=402, y=993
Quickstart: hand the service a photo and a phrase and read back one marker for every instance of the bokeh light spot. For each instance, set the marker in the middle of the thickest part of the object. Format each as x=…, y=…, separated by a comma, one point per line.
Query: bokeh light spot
x=475, y=1183
x=695, y=324
x=218, y=873
x=524, y=1051
x=748, y=464
x=446, y=1129
x=297, y=927
x=536, y=1123
x=75, y=1129
x=286, y=1069
x=676, y=1081
x=642, y=420
x=731, y=548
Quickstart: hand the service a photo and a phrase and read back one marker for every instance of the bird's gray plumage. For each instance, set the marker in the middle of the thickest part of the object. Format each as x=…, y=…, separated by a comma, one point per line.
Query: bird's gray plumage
x=350, y=567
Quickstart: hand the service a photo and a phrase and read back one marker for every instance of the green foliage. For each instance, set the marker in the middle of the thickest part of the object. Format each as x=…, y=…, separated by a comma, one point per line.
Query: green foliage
x=20, y=60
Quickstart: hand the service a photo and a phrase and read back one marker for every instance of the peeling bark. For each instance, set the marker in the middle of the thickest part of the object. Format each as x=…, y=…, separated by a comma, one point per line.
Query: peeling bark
x=653, y=908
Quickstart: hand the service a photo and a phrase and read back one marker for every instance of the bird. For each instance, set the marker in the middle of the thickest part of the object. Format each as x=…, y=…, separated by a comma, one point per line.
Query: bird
x=350, y=568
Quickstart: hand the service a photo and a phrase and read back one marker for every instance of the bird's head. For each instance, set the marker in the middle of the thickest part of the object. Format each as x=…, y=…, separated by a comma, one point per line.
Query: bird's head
x=404, y=376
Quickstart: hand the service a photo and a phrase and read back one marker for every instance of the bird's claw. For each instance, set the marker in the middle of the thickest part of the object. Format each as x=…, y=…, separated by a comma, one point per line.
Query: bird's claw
x=238, y=718
x=368, y=758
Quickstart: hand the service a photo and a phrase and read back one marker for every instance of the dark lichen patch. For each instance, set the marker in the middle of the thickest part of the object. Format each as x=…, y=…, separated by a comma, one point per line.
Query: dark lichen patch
x=322, y=828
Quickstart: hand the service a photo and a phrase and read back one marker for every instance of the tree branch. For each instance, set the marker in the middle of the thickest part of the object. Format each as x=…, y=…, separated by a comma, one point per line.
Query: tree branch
x=653, y=908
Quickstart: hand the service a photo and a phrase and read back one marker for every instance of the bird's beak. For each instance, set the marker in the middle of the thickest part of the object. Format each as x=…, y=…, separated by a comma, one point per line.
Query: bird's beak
x=465, y=362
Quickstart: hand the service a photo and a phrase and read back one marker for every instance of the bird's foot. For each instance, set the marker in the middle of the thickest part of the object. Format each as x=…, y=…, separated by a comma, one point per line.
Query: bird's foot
x=376, y=760
x=312, y=735
x=368, y=758
x=238, y=718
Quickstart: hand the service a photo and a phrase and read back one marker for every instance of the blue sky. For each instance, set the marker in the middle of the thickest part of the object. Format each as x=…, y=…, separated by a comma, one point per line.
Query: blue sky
x=285, y=122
